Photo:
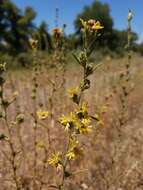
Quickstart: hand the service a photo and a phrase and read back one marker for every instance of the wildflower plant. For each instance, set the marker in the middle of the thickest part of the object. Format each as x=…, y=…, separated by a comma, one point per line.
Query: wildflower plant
x=9, y=124
x=125, y=78
x=39, y=115
x=59, y=66
x=78, y=122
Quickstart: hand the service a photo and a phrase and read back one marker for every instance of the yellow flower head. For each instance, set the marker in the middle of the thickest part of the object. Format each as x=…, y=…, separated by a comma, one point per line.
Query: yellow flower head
x=72, y=154
x=33, y=43
x=82, y=112
x=84, y=127
x=74, y=94
x=74, y=151
x=42, y=114
x=56, y=160
x=91, y=25
x=57, y=32
x=97, y=26
x=73, y=143
x=68, y=121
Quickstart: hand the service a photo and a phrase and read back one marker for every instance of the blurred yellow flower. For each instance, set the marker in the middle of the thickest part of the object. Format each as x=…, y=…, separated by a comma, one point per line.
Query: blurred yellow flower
x=84, y=127
x=56, y=160
x=73, y=94
x=74, y=151
x=68, y=121
x=91, y=25
x=42, y=114
x=97, y=26
x=72, y=154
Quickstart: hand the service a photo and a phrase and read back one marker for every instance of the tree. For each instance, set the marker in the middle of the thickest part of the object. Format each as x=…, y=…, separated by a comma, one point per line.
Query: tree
x=119, y=40
x=16, y=26
x=44, y=37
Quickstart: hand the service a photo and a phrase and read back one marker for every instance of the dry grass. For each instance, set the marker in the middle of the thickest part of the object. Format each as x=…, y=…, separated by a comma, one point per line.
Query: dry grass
x=114, y=157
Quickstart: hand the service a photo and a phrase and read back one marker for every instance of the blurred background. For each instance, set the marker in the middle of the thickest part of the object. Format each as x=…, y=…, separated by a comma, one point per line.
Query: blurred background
x=23, y=19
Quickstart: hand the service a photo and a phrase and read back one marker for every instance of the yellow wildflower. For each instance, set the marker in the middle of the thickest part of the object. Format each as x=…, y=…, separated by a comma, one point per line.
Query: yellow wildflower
x=73, y=151
x=72, y=154
x=74, y=94
x=82, y=112
x=68, y=121
x=84, y=126
x=97, y=26
x=56, y=160
x=91, y=25
x=73, y=142
x=42, y=114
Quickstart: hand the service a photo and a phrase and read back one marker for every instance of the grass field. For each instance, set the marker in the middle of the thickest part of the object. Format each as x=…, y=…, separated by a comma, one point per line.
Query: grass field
x=113, y=153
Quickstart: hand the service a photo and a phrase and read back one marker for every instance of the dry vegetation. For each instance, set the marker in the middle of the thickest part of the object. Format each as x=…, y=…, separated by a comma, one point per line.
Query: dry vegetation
x=113, y=155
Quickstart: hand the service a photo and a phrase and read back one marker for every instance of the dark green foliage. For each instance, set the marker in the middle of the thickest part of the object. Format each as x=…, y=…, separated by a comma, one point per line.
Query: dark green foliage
x=16, y=26
x=140, y=48
x=43, y=37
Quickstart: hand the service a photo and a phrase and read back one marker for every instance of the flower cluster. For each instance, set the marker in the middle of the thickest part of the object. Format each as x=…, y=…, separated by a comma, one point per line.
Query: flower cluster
x=79, y=121
x=68, y=121
x=91, y=25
